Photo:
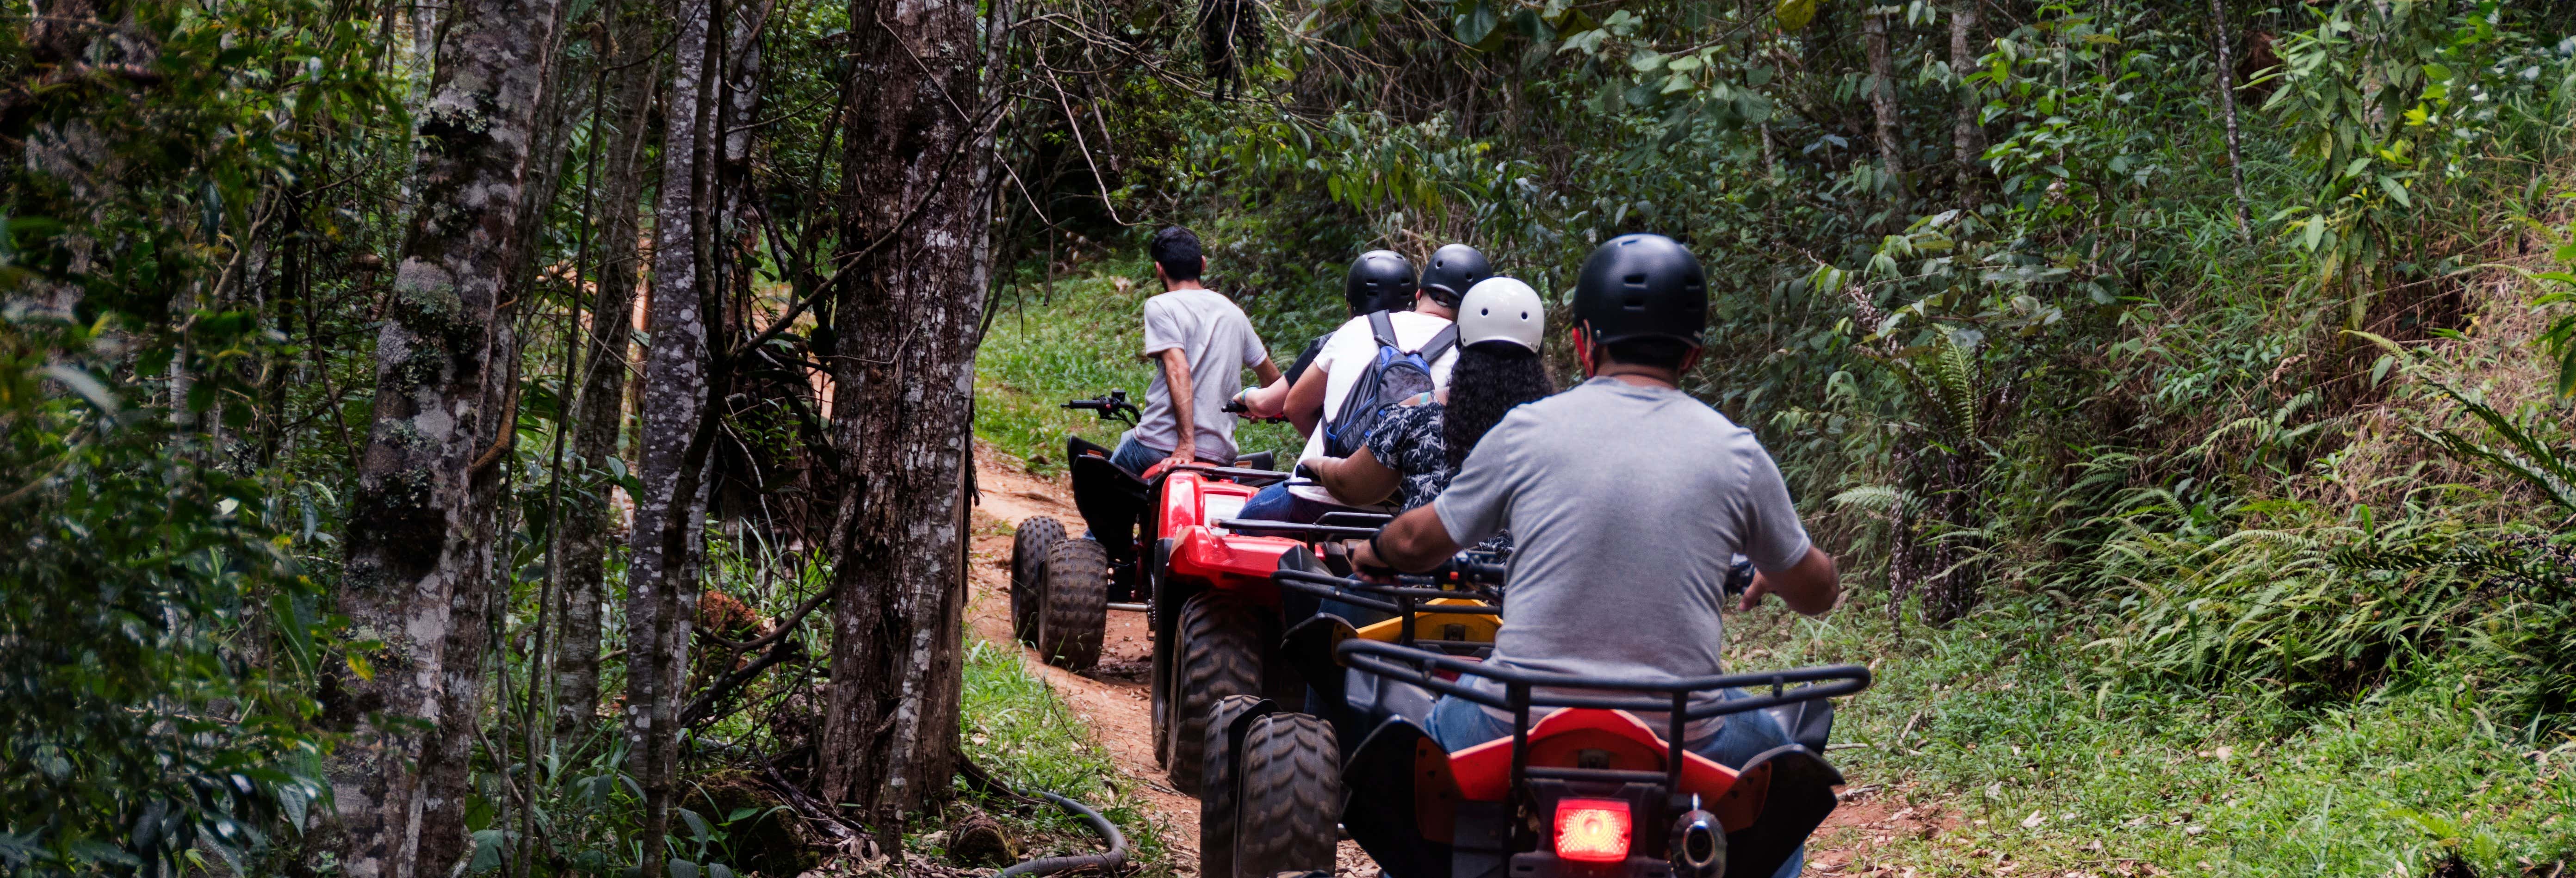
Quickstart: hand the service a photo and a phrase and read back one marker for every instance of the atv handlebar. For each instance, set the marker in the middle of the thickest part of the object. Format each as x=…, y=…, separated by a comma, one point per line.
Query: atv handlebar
x=1113, y=406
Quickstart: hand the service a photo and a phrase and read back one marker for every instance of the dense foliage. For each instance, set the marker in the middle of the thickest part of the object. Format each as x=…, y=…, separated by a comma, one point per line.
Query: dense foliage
x=2189, y=396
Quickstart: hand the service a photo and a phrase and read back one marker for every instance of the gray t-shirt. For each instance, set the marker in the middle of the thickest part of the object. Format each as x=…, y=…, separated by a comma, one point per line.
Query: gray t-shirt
x=1628, y=504
x=1220, y=344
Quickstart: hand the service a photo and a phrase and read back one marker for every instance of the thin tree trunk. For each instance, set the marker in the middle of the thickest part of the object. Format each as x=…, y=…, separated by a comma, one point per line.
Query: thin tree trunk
x=600, y=410
x=1967, y=135
x=661, y=603
x=916, y=210
x=1882, y=95
x=2227, y=108
x=420, y=554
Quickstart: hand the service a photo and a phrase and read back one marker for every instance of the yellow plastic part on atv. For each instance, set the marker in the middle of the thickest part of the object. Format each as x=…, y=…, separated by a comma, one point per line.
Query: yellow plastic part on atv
x=1476, y=627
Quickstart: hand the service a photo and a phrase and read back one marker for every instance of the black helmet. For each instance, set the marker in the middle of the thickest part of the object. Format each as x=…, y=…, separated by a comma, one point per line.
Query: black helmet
x=1453, y=269
x=1637, y=286
x=1380, y=280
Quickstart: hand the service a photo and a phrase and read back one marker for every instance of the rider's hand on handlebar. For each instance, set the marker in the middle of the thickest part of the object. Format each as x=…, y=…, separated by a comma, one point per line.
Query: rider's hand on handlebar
x=1365, y=562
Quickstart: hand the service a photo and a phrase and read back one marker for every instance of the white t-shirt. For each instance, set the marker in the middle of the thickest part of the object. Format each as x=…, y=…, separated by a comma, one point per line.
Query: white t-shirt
x=1353, y=347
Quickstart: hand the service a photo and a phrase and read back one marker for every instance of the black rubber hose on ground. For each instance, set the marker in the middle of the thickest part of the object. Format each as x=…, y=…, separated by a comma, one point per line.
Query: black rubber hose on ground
x=1108, y=861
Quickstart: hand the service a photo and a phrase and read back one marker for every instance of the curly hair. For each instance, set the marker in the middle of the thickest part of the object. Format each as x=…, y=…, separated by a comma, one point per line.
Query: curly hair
x=1488, y=381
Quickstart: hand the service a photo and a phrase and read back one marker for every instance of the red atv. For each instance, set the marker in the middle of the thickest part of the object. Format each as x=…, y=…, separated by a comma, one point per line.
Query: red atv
x=1169, y=547
x=1589, y=790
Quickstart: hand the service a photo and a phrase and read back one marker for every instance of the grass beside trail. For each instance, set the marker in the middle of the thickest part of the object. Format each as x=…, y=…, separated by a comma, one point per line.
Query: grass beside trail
x=2051, y=772
x=1016, y=728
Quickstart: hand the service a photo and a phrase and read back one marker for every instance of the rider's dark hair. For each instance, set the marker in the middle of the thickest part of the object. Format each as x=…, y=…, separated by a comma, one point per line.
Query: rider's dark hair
x=1652, y=351
x=1177, y=250
x=1489, y=379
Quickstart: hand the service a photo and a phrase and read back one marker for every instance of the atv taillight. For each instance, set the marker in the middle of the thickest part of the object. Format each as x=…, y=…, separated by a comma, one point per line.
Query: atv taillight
x=1592, y=830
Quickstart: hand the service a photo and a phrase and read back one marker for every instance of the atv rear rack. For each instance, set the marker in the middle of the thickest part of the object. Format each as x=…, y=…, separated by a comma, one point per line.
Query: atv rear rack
x=1521, y=692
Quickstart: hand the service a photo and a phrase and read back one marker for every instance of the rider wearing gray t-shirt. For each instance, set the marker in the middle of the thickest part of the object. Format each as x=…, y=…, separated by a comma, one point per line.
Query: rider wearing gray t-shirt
x=1200, y=343
x=1628, y=502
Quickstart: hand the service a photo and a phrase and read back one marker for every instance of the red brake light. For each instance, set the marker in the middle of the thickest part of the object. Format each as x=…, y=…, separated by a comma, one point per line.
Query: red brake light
x=1592, y=830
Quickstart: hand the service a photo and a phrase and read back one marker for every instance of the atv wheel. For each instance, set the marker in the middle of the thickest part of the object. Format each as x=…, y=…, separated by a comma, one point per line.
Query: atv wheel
x=1217, y=796
x=1288, y=797
x=1030, y=544
x=1220, y=655
x=1074, y=604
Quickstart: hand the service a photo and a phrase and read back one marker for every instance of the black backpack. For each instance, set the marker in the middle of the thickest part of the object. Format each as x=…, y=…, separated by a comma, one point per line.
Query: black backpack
x=1395, y=376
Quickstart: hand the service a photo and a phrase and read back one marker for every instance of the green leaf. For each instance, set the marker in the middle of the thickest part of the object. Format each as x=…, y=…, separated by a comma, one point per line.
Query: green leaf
x=2396, y=191
x=2316, y=231
x=1476, y=21
x=1794, y=14
x=487, y=851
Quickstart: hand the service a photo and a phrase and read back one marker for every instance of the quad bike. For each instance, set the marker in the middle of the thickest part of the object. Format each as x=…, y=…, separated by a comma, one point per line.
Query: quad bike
x=1169, y=546
x=1590, y=789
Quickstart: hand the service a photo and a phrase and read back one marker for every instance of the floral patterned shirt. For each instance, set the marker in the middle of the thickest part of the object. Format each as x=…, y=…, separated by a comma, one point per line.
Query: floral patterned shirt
x=1409, y=440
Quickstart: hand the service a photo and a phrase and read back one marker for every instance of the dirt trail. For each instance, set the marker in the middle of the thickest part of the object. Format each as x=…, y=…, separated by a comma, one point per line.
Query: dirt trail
x=1113, y=697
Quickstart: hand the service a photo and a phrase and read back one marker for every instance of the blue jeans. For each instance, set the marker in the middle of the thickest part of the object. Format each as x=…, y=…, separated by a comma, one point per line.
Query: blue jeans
x=1274, y=503
x=1458, y=724
x=1134, y=456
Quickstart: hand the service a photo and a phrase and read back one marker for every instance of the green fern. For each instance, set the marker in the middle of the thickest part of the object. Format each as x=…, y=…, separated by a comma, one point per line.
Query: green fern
x=1875, y=498
x=2534, y=462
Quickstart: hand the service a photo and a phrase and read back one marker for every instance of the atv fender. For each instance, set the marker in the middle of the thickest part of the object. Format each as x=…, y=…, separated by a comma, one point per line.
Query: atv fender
x=1402, y=805
x=1779, y=798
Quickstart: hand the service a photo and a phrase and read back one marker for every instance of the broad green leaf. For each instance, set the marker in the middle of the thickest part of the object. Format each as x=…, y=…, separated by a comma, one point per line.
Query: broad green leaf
x=2396, y=191
x=1476, y=22
x=2316, y=231
x=1794, y=14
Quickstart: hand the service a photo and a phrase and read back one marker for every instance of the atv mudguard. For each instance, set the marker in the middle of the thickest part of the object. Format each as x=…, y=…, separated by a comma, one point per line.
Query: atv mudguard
x=1780, y=796
x=1113, y=501
x=1807, y=723
x=1400, y=803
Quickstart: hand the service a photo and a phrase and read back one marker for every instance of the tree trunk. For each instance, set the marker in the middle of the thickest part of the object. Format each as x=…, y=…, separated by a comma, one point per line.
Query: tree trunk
x=662, y=592
x=916, y=215
x=2227, y=107
x=1882, y=95
x=600, y=410
x=1967, y=135
x=420, y=555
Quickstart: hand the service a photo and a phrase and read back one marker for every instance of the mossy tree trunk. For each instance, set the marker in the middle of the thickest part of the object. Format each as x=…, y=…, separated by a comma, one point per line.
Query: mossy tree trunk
x=916, y=214
x=419, y=547
x=599, y=413
x=661, y=585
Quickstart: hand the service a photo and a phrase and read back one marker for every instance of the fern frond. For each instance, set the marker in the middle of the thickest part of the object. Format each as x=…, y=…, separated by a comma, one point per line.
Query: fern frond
x=2529, y=459
x=1875, y=498
x=1954, y=378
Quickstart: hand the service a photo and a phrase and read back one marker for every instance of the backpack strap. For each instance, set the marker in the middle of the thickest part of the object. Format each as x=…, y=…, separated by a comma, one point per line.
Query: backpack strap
x=1383, y=327
x=1440, y=344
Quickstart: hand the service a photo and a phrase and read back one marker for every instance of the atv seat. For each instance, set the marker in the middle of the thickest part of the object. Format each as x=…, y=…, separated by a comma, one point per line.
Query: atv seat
x=1257, y=460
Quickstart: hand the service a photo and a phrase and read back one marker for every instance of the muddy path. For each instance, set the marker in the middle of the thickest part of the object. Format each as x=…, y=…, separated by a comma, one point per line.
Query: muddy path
x=1114, y=700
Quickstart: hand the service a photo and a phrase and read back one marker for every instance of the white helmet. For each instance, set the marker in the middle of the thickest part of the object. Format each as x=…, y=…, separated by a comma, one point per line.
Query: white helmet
x=1502, y=309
